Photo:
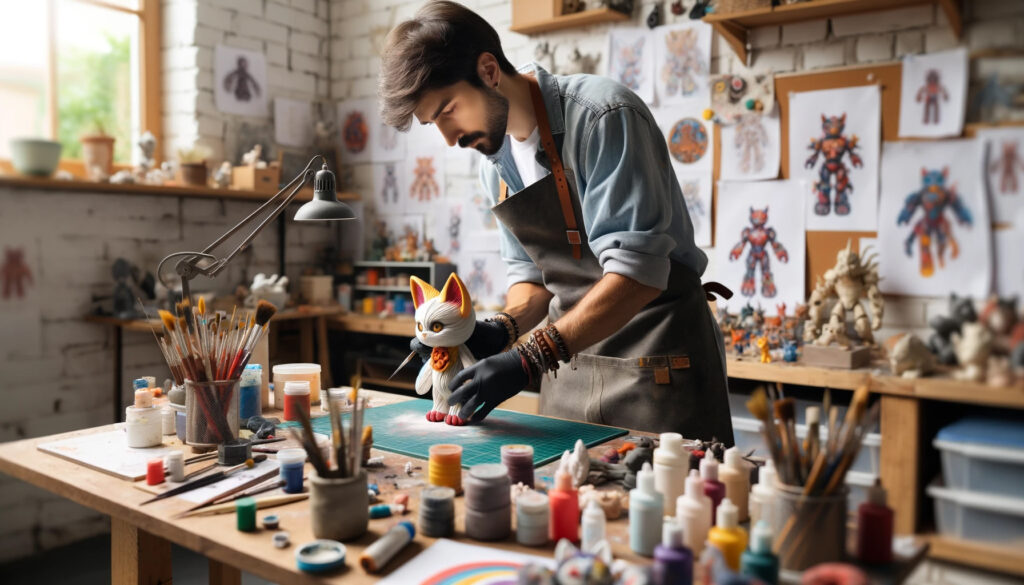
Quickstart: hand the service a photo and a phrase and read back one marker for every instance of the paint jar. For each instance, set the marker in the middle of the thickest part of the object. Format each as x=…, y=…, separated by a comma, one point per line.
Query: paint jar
x=519, y=461
x=339, y=507
x=284, y=373
x=437, y=511
x=175, y=462
x=368, y=305
x=167, y=420
x=345, y=296
x=532, y=519
x=292, y=463
x=143, y=427
x=296, y=398
x=813, y=527
x=179, y=421
x=488, y=504
x=211, y=412
x=249, y=392
x=373, y=277
x=444, y=466
x=399, y=305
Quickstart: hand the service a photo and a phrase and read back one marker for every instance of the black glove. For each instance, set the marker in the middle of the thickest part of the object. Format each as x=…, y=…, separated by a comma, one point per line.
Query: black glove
x=421, y=349
x=488, y=383
x=488, y=338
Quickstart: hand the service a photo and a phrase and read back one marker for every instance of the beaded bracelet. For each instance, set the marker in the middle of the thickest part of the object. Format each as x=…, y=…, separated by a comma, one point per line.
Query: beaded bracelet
x=546, y=350
x=532, y=363
x=512, y=321
x=511, y=327
x=563, y=348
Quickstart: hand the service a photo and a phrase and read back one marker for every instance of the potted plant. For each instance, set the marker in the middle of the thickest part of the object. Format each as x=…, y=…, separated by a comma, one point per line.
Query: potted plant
x=193, y=165
x=97, y=153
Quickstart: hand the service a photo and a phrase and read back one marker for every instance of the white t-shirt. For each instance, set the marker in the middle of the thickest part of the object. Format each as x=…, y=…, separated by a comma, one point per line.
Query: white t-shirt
x=525, y=155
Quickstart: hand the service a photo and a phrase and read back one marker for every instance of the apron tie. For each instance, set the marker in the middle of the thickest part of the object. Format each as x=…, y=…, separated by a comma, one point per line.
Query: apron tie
x=716, y=288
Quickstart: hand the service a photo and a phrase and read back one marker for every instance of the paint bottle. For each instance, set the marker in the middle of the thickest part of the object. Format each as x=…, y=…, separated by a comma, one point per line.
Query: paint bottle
x=735, y=475
x=292, y=463
x=874, y=527
x=437, y=511
x=727, y=535
x=693, y=512
x=175, y=462
x=444, y=466
x=673, y=562
x=762, y=496
x=143, y=424
x=645, y=513
x=564, y=503
x=592, y=526
x=758, y=561
x=488, y=503
x=713, y=488
x=245, y=514
x=155, y=471
x=519, y=461
x=296, y=397
x=671, y=462
x=249, y=400
x=532, y=519
x=167, y=420
x=385, y=511
x=386, y=547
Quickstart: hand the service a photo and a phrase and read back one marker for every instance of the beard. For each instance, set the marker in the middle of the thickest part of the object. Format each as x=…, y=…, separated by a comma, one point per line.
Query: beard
x=496, y=122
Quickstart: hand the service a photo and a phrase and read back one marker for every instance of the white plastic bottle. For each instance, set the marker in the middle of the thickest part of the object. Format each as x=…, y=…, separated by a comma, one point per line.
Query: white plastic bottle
x=762, y=497
x=735, y=474
x=671, y=462
x=593, y=526
x=693, y=512
x=645, y=513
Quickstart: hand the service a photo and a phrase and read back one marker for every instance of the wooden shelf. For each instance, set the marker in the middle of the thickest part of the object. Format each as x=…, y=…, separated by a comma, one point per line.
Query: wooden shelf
x=382, y=288
x=19, y=182
x=988, y=557
x=734, y=26
x=396, y=326
x=576, y=19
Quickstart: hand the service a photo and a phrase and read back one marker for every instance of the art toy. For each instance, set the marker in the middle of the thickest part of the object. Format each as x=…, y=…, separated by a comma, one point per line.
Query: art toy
x=424, y=185
x=961, y=312
x=1006, y=165
x=573, y=567
x=833, y=145
x=759, y=236
x=930, y=93
x=739, y=341
x=852, y=279
x=683, y=62
x=444, y=321
x=972, y=346
x=909, y=356
x=789, y=351
x=933, y=198
x=750, y=141
x=762, y=345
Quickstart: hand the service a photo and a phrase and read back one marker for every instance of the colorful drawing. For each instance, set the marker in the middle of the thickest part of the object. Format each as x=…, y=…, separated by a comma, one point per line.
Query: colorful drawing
x=424, y=186
x=688, y=140
x=730, y=95
x=930, y=93
x=750, y=142
x=355, y=132
x=479, y=281
x=834, y=145
x=695, y=207
x=933, y=198
x=16, y=273
x=1006, y=165
x=476, y=573
x=389, y=190
x=758, y=236
x=683, y=62
x=629, y=64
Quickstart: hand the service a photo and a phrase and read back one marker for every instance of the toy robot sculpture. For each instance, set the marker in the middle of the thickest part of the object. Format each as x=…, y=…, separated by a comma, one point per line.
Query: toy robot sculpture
x=750, y=141
x=1007, y=166
x=930, y=93
x=758, y=236
x=833, y=145
x=851, y=279
x=933, y=198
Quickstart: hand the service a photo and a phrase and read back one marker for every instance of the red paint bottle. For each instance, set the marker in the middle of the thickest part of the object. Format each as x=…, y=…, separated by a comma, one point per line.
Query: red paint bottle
x=713, y=488
x=564, y=503
x=874, y=528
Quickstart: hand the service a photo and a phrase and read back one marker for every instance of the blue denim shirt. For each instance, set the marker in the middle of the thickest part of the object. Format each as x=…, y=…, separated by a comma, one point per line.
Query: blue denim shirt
x=633, y=210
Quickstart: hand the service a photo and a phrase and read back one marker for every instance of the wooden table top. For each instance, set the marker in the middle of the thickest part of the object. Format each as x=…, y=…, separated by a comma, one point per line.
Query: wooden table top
x=290, y=314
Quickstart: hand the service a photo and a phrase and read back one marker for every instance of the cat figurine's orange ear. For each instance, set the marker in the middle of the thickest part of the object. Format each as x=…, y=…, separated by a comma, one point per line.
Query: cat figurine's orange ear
x=455, y=292
x=421, y=291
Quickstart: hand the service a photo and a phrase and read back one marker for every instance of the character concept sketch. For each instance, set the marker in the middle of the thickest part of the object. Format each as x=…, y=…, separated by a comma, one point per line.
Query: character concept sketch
x=454, y=222
x=933, y=198
x=424, y=186
x=240, y=82
x=479, y=280
x=758, y=235
x=930, y=93
x=683, y=62
x=688, y=140
x=630, y=68
x=750, y=142
x=355, y=132
x=387, y=136
x=390, y=188
x=833, y=145
x=695, y=207
x=1007, y=166
x=16, y=273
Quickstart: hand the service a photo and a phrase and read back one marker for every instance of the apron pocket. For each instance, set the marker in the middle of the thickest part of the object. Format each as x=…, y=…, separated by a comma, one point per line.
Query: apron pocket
x=651, y=393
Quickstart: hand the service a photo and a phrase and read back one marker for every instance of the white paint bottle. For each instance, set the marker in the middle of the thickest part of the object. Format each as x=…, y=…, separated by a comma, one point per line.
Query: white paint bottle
x=693, y=512
x=593, y=527
x=762, y=496
x=143, y=426
x=735, y=474
x=671, y=462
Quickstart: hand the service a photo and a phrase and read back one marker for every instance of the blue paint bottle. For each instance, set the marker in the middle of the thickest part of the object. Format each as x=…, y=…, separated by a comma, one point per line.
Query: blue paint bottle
x=249, y=392
x=646, y=509
x=292, y=462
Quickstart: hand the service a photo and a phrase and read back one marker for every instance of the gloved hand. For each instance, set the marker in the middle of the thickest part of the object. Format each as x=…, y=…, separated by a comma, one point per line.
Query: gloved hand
x=421, y=349
x=488, y=338
x=488, y=383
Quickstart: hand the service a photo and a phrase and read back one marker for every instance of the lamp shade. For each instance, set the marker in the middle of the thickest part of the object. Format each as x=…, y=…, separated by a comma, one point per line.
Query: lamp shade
x=325, y=205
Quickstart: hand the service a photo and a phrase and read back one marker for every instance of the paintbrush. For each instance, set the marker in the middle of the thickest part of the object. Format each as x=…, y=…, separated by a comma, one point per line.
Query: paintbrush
x=785, y=411
x=205, y=481
x=758, y=406
x=246, y=485
x=407, y=359
x=308, y=440
x=264, y=311
x=261, y=503
x=813, y=417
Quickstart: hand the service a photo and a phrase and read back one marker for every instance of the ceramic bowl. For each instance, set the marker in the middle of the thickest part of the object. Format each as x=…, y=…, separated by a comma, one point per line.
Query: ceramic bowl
x=35, y=156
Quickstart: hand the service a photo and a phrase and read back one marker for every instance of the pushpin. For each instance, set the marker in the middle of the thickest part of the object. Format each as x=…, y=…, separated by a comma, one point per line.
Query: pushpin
x=759, y=105
x=708, y=113
x=749, y=104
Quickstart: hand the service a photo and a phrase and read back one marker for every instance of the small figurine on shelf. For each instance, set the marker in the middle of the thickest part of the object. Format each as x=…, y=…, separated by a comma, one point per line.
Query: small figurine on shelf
x=972, y=345
x=852, y=279
x=222, y=176
x=789, y=351
x=252, y=158
x=410, y=250
x=739, y=341
x=762, y=344
x=961, y=312
x=909, y=356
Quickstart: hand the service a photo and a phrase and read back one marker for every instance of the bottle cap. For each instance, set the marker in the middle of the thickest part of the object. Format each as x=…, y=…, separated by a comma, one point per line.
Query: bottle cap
x=709, y=466
x=766, y=477
x=728, y=514
x=813, y=414
x=670, y=450
x=694, y=486
x=733, y=459
x=563, y=481
x=877, y=494
x=139, y=384
x=761, y=538
x=143, y=399
x=645, y=479
x=593, y=509
x=671, y=534
x=296, y=387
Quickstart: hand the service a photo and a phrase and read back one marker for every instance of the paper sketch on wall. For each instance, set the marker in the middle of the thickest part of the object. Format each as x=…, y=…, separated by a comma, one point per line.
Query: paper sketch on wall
x=20, y=305
x=750, y=148
x=834, y=137
x=240, y=81
x=424, y=179
x=760, y=251
x=389, y=185
x=485, y=278
x=355, y=130
x=1008, y=242
x=632, y=60
x=1002, y=166
x=696, y=191
x=933, y=224
x=682, y=53
x=390, y=143
x=293, y=122
x=445, y=220
x=735, y=96
x=690, y=140
x=933, y=94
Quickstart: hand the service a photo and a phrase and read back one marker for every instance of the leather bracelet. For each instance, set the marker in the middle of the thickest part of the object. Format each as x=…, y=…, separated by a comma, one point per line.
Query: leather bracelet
x=546, y=350
x=512, y=321
x=563, y=348
x=534, y=366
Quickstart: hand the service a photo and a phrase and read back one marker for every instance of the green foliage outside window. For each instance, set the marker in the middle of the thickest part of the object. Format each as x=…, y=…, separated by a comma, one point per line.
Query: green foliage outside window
x=94, y=96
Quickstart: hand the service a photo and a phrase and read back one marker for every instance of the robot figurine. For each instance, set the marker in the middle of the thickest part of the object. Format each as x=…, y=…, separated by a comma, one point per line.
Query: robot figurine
x=933, y=198
x=758, y=236
x=851, y=279
x=833, y=144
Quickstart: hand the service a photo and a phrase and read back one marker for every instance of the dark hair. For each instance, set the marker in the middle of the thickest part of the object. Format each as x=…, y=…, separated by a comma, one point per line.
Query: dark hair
x=440, y=46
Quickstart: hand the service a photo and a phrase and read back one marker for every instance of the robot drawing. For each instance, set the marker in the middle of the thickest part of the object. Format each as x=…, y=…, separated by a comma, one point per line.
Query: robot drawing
x=750, y=141
x=833, y=144
x=694, y=206
x=1007, y=166
x=630, y=63
x=930, y=93
x=683, y=62
x=758, y=235
x=424, y=185
x=240, y=82
x=390, y=188
x=933, y=198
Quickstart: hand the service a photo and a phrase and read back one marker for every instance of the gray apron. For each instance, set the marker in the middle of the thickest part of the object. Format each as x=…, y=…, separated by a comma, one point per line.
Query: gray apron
x=665, y=369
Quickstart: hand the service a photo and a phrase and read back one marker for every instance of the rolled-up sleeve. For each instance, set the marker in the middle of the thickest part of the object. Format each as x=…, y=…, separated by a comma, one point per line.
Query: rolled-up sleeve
x=518, y=265
x=627, y=208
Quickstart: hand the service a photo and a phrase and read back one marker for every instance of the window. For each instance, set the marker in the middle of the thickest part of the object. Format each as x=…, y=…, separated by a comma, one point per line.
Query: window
x=74, y=67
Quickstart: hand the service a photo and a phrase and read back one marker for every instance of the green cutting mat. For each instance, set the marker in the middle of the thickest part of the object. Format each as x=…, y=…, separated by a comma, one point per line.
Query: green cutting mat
x=403, y=428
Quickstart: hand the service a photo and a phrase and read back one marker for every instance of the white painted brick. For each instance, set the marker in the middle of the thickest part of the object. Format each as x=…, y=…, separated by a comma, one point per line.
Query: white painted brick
x=777, y=60
x=764, y=37
x=889, y=20
x=997, y=33
x=277, y=54
x=295, y=19
x=307, y=5
x=240, y=42
x=341, y=89
x=340, y=48
x=261, y=29
x=874, y=48
x=355, y=68
x=212, y=16
x=250, y=7
x=304, y=42
x=343, y=9
x=180, y=58
x=307, y=64
x=993, y=9
x=1004, y=68
x=178, y=22
x=356, y=26
x=362, y=47
x=366, y=87
x=208, y=36
x=939, y=38
x=804, y=32
x=323, y=10
x=210, y=125
x=179, y=102
x=822, y=55
x=204, y=80
x=909, y=43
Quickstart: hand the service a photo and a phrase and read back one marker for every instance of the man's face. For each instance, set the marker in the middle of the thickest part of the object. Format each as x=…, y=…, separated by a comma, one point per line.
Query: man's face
x=470, y=116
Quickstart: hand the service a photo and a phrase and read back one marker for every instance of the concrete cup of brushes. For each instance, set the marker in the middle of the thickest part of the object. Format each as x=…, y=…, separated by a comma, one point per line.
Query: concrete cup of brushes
x=192, y=162
x=339, y=506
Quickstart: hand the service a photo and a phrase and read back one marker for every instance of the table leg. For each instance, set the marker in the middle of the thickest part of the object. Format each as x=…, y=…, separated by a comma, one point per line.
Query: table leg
x=224, y=574
x=901, y=443
x=118, y=375
x=322, y=351
x=306, y=341
x=138, y=557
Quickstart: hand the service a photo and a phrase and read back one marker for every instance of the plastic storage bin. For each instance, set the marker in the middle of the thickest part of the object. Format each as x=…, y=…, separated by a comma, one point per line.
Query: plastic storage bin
x=747, y=433
x=983, y=455
x=980, y=517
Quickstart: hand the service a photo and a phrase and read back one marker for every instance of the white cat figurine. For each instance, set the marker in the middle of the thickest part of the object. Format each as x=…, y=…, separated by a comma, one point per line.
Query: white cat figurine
x=444, y=321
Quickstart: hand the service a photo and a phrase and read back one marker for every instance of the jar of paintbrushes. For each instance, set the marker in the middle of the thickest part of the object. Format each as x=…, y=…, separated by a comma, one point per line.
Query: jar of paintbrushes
x=211, y=412
x=817, y=531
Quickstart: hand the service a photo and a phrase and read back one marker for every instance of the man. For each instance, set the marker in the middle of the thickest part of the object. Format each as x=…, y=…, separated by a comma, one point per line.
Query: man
x=593, y=229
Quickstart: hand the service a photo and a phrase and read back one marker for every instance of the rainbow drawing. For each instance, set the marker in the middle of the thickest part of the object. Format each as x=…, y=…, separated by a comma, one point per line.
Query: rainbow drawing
x=479, y=573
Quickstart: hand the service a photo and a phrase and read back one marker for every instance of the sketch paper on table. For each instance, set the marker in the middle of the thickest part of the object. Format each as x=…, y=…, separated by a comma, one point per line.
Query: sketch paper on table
x=760, y=244
x=235, y=479
x=933, y=94
x=356, y=130
x=485, y=276
x=240, y=81
x=696, y=189
x=750, y=148
x=1002, y=166
x=833, y=145
x=631, y=61
x=447, y=561
x=293, y=122
x=933, y=221
x=390, y=186
x=690, y=140
x=107, y=452
x=1008, y=243
x=682, y=56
